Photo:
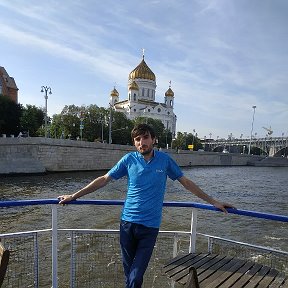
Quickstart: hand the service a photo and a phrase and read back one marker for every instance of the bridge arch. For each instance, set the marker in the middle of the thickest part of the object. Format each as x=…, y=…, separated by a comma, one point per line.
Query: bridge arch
x=282, y=152
x=272, y=146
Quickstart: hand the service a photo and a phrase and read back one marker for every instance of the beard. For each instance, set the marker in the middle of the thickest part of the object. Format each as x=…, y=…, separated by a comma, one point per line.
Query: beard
x=145, y=150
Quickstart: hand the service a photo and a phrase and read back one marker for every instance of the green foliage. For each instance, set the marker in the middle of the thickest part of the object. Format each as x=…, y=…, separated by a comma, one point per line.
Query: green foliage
x=121, y=129
x=91, y=123
x=10, y=114
x=31, y=120
x=67, y=123
x=15, y=118
x=96, y=119
x=94, y=122
x=184, y=139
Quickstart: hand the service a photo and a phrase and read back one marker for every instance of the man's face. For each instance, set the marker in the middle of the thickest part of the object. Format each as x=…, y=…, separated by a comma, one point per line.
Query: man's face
x=144, y=143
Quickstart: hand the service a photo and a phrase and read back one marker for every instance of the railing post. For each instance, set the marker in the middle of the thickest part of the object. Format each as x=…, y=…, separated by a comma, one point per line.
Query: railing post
x=54, y=247
x=192, y=246
x=210, y=245
x=73, y=260
x=36, y=261
x=175, y=246
x=175, y=252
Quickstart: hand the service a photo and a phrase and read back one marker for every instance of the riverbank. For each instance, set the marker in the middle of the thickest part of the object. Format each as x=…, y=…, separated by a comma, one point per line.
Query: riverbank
x=40, y=155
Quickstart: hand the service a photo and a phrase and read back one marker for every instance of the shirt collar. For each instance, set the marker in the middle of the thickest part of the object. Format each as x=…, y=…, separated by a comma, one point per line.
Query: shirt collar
x=153, y=155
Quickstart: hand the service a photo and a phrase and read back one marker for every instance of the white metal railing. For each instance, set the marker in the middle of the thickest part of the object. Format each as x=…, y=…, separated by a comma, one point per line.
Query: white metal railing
x=176, y=234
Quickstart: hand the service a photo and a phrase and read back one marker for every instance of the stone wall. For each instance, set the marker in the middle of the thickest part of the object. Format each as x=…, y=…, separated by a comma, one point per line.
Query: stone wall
x=39, y=155
x=187, y=158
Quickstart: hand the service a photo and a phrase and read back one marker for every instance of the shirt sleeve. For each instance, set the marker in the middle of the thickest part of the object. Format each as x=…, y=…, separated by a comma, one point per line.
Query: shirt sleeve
x=119, y=170
x=173, y=170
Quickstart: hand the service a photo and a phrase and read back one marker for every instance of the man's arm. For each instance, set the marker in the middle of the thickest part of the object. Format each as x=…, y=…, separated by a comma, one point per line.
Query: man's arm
x=192, y=187
x=91, y=187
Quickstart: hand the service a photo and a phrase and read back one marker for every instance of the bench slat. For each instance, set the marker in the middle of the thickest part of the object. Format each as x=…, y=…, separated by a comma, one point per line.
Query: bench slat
x=183, y=278
x=270, y=276
x=218, y=275
x=236, y=276
x=279, y=279
x=223, y=271
x=202, y=266
x=212, y=269
x=184, y=269
x=255, y=280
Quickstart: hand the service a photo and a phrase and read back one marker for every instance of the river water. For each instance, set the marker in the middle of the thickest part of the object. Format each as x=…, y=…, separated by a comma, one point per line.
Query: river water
x=263, y=189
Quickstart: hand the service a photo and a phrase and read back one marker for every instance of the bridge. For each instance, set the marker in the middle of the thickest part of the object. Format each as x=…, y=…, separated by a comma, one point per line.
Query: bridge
x=270, y=146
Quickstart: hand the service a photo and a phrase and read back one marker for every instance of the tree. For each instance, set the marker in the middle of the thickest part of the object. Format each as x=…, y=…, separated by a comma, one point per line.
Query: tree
x=179, y=142
x=67, y=123
x=192, y=139
x=10, y=114
x=121, y=128
x=94, y=123
x=56, y=126
x=183, y=140
x=32, y=119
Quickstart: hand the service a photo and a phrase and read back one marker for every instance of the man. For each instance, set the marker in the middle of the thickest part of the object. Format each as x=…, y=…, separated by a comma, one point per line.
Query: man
x=146, y=171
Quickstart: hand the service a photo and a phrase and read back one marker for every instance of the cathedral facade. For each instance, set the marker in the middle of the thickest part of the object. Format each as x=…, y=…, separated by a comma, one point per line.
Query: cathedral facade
x=141, y=98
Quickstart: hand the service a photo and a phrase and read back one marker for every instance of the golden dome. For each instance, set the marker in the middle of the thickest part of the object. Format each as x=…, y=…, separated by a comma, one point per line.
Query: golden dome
x=114, y=92
x=142, y=71
x=169, y=92
x=133, y=86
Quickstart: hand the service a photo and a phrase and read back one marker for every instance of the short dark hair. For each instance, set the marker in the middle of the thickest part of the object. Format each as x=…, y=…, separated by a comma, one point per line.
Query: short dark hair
x=142, y=129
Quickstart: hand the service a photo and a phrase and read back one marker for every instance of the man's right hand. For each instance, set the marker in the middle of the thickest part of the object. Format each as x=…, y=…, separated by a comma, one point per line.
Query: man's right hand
x=65, y=198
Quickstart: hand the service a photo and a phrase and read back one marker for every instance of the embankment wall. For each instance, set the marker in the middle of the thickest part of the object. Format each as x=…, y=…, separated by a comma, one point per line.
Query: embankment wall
x=40, y=155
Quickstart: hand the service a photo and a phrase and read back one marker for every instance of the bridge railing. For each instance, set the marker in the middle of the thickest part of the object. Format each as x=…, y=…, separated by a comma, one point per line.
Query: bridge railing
x=269, y=146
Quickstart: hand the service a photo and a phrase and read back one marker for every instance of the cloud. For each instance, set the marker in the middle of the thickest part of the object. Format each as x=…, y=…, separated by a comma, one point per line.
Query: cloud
x=221, y=56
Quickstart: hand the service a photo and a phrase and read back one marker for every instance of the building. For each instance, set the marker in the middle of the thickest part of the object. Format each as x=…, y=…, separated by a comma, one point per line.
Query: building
x=141, y=98
x=8, y=85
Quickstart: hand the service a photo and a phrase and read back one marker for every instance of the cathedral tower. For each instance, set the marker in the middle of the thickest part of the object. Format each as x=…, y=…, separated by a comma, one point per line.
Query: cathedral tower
x=141, y=100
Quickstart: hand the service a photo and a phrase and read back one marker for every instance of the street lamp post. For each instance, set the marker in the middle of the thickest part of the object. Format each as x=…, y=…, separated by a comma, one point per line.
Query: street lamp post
x=81, y=125
x=251, y=134
x=193, y=139
x=173, y=139
x=110, y=123
x=101, y=115
x=46, y=89
x=167, y=145
x=209, y=144
x=185, y=137
x=230, y=140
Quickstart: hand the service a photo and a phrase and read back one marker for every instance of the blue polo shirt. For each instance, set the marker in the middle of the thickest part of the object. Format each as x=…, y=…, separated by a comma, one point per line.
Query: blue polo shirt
x=146, y=185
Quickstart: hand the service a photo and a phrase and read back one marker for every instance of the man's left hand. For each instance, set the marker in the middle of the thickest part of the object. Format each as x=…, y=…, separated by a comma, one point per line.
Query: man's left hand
x=222, y=206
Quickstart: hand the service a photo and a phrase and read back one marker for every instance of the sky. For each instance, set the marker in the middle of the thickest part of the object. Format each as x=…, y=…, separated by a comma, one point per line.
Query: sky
x=222, y=57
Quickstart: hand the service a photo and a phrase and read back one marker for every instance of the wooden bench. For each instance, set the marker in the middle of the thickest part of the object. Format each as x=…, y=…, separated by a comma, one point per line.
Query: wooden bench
x=4, y=259
x=199, y=270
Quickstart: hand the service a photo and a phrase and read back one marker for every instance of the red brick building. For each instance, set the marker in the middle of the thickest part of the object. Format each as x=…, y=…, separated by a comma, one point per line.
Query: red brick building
x=8, y=85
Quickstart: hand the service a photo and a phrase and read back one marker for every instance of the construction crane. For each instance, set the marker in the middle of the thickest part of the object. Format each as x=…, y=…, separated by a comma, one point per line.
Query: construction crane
x=269, y=130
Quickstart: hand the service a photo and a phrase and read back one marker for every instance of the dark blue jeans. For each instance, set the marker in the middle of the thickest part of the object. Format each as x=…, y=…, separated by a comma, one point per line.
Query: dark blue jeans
x=137, y=242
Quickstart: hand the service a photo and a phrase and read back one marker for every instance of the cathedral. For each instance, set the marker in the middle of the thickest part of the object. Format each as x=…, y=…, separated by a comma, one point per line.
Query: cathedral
x=141, y=98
